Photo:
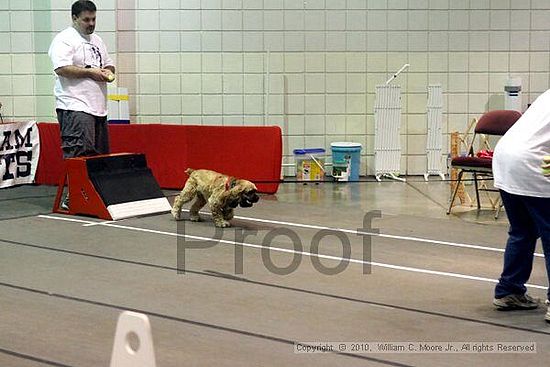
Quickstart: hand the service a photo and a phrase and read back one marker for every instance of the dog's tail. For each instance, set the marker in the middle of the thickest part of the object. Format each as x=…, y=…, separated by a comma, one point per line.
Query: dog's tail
x=189, y=171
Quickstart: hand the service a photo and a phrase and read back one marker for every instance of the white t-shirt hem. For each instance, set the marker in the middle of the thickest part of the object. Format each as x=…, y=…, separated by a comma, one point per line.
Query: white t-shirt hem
x=516, y=191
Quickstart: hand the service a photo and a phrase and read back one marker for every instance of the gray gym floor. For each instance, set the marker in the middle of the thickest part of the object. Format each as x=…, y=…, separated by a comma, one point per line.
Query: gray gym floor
x=64, y=281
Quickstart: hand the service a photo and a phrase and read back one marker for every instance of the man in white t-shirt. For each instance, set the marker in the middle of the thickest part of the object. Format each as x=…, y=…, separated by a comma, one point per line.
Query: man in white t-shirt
x=518, y=168
x=83, y=67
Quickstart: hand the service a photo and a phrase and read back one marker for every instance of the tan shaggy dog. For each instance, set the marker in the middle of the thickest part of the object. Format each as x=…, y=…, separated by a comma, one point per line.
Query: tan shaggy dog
x=222, y=193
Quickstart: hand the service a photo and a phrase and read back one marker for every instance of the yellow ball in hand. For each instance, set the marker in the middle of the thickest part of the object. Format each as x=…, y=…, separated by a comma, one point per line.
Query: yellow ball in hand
x=111, y=78
x=546, y=165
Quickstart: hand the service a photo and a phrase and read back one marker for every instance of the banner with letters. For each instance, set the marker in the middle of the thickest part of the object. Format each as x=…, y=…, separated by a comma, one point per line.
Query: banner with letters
x=19, y=153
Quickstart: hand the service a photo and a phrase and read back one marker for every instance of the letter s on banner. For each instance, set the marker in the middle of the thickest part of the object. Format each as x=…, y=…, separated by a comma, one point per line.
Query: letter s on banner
x=19, y=153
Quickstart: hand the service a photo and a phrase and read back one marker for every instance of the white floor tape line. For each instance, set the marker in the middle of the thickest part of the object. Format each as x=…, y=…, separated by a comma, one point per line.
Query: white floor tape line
x=383, y=235
x=304, y=253
x=355, y=232
x=99, y=223
x=343, y=230
x=133, y=345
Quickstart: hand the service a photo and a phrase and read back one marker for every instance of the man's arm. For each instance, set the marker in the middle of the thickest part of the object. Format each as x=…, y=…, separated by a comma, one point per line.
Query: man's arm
x=76, y=72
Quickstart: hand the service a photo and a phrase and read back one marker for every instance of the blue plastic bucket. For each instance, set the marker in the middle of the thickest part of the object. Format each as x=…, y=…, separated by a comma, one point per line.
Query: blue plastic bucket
x=345, y=151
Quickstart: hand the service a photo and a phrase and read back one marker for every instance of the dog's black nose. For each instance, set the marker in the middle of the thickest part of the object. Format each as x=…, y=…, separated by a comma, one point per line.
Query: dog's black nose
x=245, y=204
x=248, y=198
x=252, y=196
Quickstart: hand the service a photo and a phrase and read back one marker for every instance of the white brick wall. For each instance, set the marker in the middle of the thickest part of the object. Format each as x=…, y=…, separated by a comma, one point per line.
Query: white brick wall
x=205, y=62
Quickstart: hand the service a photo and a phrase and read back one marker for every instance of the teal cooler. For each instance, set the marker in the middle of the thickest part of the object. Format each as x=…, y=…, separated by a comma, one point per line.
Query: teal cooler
x=344, y=151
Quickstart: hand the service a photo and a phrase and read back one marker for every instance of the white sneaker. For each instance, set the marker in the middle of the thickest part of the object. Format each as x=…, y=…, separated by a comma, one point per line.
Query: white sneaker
x=516, y=302
x=65, y=203
x=547, y=316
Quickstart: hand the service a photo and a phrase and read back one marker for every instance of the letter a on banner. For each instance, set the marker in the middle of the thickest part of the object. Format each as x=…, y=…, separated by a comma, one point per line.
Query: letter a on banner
x=133, y=346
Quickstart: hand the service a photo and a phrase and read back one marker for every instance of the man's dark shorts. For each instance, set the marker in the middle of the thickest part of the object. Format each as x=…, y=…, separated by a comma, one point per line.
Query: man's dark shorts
x=82, y=134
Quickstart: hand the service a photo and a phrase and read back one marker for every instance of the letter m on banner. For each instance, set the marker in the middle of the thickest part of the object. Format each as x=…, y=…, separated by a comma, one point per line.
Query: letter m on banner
x=19, y=153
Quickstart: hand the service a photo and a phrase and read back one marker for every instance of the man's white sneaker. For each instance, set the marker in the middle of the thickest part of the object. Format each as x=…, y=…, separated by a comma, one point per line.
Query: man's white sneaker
x=516, y=302
x=65, y=203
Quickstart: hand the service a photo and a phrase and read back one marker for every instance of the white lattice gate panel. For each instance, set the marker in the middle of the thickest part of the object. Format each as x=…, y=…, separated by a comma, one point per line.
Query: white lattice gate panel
x=434, y=138
x=387, y=126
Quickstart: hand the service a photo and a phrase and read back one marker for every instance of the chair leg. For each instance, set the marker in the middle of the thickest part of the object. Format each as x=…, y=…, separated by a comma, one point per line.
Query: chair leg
x=477, y=191
x=459, y=178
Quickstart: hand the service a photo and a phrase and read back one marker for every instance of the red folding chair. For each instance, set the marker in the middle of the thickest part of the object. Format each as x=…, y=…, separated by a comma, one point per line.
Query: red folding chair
x=494, y=123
